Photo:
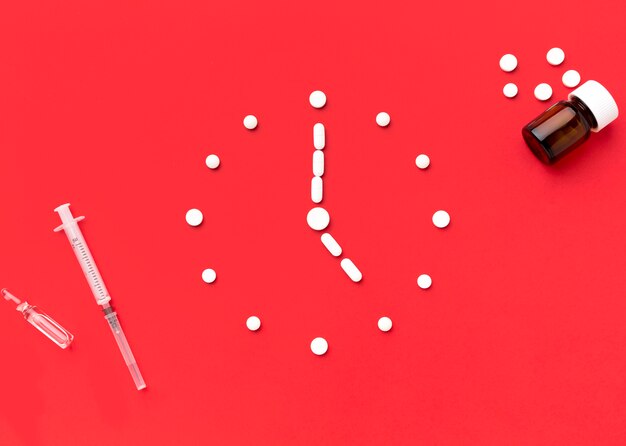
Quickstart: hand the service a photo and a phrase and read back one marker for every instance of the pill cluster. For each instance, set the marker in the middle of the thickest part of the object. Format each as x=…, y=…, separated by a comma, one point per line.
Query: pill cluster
x=318, y=218
x=543, y=90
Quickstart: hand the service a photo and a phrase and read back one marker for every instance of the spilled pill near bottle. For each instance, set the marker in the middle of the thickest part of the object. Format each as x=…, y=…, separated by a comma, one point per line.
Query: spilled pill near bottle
x=194, y=217
x=422, y=161
x=508, y=63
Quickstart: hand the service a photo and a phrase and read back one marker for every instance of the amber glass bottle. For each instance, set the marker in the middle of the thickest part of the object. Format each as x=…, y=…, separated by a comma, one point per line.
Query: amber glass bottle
x=567, y=124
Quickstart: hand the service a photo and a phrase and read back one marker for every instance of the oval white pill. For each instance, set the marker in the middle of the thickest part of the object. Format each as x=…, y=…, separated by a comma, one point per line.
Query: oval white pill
x=441, y=219
x=384, y=324
x=543, y=92
x=318, y=219
x=319, y=346
x=383, y=119
x=555, y=56
x=317, y=189
x=318, y=163
x=424, y=281
x=422, y=161
x=253, y=323
x=571, y=78
x=508, y=63
x=510, y=90
x=319, y=136
x=209, y=275
x=212, y=161
x=317, y=99
x=194, y=217
x=351, y=270
x=331, y=244
x=250, y=122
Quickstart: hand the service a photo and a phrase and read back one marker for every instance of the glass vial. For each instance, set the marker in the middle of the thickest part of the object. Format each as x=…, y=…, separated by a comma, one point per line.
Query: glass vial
x=41, y=321
x=567, y=124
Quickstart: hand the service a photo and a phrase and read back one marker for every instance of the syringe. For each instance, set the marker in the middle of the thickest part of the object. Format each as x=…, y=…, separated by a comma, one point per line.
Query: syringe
x=75, y=236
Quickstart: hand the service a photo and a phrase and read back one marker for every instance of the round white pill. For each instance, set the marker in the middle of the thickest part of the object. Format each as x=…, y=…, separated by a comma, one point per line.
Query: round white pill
x=508, y=63
x=422, y=161
x=194, y=217
x=319, y=346
x=318, y=218
x=317, y=99
x=209, y=275
x=441, y=219
x=424, y=281
x=510, y=90
x=543, y=92
x=383, y=119
x=384, y=324
x=250, y=122
x=212, y=161
x=555, y=56
x=253, y=323
x=571, y=78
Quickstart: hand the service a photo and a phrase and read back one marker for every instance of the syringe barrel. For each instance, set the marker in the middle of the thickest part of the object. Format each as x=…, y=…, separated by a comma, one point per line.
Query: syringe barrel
x=83, y=254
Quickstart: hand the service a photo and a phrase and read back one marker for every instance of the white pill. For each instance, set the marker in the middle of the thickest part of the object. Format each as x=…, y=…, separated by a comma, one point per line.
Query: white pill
x=571, y=78
x=555, y=56
x=510, y=90
x=318, y=163
x=253, y=323
x=319, y=346
x=351, y=270
x=319, y=136
x=317, y=99
x=212, y=161
x=424, y=281
x=317, y=189
x=250, y=122
x=318, y=218
x=209, y=275
x=543, y=92
x=331, y=244
x=194, y=217
x=422, y=161
x=384, y=324
x=383, y=119
x=508, y=63
x=441, y=219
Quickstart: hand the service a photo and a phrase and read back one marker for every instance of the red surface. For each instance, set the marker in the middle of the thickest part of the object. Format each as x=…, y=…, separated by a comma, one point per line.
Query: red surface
x=113, y=106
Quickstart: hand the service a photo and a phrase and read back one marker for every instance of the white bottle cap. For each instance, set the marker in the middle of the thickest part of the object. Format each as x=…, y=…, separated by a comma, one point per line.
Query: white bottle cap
x=599, y=101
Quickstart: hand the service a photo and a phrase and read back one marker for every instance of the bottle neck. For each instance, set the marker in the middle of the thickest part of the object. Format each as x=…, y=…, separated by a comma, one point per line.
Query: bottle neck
x=582, y=108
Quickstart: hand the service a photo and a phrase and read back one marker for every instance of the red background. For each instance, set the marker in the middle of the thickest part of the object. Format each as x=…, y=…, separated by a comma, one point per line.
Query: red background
x=113, y=106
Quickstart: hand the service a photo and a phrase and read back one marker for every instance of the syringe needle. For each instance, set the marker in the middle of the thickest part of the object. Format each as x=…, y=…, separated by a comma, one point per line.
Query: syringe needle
x=122, y=343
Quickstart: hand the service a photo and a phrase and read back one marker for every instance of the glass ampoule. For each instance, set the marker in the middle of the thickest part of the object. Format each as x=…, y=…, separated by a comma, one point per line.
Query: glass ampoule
x=41, y=321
